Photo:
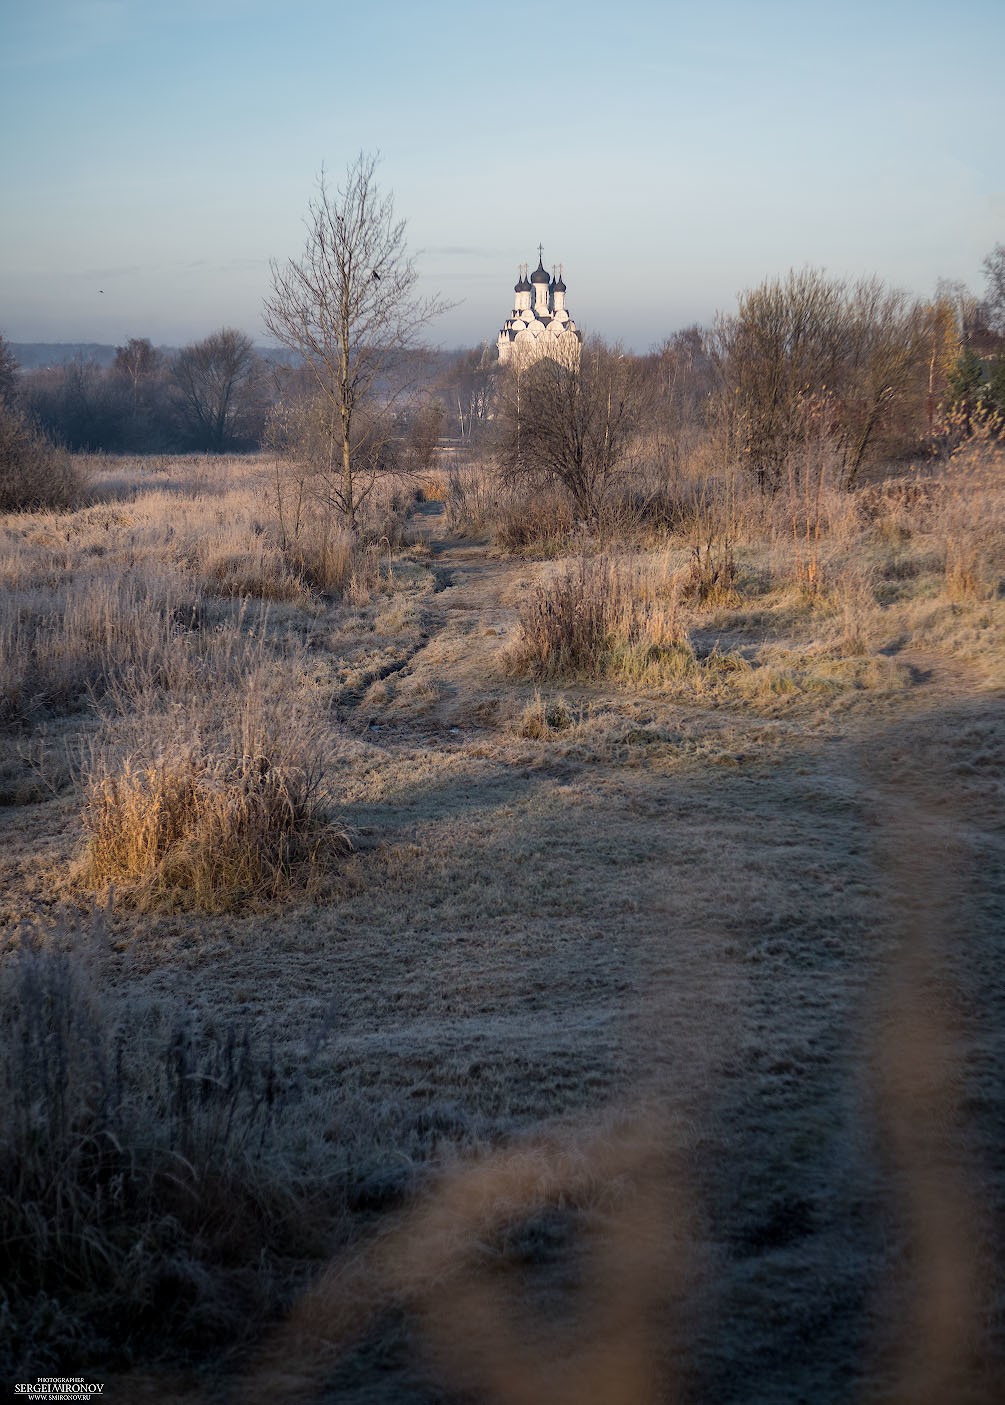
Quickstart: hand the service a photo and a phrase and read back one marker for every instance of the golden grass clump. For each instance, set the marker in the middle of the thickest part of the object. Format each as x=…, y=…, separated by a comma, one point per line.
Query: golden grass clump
x=543, y=717
x=322, y=554
x=434, y=487
x=210, y=824
x=599, y=617
x=972, y=523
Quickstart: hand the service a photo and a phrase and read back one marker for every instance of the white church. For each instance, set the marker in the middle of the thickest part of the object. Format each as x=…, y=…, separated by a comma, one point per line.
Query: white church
x=539, y=324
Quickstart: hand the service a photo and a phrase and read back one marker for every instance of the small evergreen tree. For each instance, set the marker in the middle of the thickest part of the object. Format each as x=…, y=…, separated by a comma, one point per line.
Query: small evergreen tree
x=964, y=387
x=994, y=389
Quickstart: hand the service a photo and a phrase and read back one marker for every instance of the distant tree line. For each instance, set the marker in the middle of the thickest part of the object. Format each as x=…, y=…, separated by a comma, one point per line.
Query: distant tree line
x=808, y=365
x=219, y=395
x=211, y=395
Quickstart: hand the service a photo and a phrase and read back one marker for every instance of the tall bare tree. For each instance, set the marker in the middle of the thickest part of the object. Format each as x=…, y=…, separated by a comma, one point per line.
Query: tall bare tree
x=137, y=361
x=349, y=307
x=575, y=423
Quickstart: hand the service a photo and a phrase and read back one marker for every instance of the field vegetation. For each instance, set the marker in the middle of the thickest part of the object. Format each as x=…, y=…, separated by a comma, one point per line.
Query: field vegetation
x=535, y=934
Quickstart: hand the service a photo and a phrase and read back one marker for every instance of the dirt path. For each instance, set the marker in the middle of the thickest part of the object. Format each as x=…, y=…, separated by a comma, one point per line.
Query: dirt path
x=708, y=919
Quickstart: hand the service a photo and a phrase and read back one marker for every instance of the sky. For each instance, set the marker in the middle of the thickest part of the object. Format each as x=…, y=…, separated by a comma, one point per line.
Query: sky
x=668, y=153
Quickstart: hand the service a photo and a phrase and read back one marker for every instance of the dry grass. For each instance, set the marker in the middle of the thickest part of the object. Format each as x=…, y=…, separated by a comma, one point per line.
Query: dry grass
x=972, y=521
x=471, y=503
x=147, y=1190
x=434, y=487
x=544, y=717
x=538, y=525
x=811, y=594
x=206, y=786
x=597, y=618
x=211, y=819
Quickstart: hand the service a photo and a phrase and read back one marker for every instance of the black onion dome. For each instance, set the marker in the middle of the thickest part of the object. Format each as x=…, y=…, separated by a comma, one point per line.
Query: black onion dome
x=559, y=287
x=539, y=275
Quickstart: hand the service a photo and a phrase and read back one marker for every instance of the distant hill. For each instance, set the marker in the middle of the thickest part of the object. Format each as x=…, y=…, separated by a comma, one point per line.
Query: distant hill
x=420, y=370
x=31, y=356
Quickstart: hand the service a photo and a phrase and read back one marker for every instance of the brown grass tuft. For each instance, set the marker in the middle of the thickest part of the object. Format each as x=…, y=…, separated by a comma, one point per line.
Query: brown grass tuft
x=543, y=717
x=192, y=822
x=433, y=487
x=322, y=554
x=599, y=617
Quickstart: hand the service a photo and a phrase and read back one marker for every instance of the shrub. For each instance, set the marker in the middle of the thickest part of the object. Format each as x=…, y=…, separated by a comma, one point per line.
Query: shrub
x=710, y=578
x=33, y=472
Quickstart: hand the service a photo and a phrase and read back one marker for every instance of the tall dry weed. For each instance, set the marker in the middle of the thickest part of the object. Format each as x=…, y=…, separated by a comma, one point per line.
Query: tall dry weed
x=472, y=498
x=540, y=523
x=710, y=525
x=60, y=646
x=220, y=809
x=600, y=617
x=972, y=523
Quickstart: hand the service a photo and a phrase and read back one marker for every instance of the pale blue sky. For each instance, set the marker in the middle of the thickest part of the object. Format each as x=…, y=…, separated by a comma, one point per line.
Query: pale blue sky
x=669, y=154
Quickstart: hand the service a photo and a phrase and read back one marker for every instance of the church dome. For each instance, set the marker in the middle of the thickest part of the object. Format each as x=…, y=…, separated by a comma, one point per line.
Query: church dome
x=539, y=324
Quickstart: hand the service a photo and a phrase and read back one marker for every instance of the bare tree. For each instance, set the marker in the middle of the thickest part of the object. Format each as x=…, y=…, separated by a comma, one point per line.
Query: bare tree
x=885, y=369
x=961, y=304
x=683, y=375
x=217, y=379
x=349, y=307
x=574, y=423
x=137, y=361
x=467, y=384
